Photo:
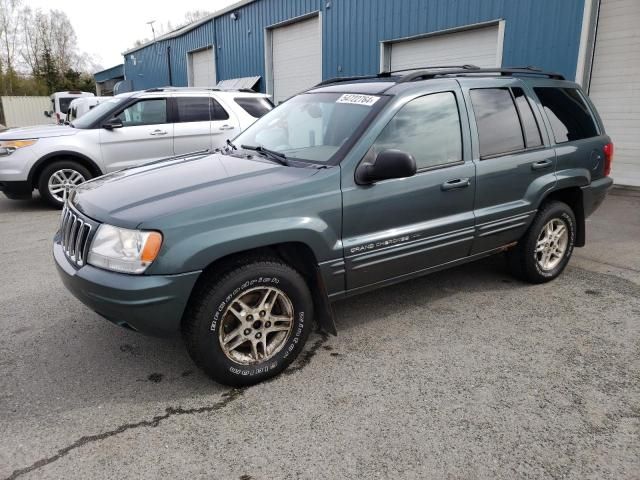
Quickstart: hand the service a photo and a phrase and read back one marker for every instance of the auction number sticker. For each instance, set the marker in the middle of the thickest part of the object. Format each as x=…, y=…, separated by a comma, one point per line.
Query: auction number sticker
x=356, y=99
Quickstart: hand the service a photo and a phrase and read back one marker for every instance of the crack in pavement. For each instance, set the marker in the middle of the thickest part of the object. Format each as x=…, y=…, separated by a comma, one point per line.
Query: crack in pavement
x=227, y=398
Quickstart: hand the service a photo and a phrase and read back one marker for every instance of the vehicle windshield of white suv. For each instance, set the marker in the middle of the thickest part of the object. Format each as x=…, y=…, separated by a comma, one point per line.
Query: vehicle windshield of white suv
x=311, y=126
x=86, y=120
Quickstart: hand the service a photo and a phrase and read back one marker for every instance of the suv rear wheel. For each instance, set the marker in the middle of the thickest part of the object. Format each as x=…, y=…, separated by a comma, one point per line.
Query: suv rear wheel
x=544, y=251
x=57, y=177
x=250, y=324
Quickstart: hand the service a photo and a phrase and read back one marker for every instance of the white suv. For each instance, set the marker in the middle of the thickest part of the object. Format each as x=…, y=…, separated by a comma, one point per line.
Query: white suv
x=128, y=130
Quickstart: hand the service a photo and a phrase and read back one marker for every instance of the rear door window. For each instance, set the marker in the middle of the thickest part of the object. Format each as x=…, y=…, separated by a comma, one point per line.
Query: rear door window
x=193, y=109
x=497, y=120
x=568, y=113
x=254, y=106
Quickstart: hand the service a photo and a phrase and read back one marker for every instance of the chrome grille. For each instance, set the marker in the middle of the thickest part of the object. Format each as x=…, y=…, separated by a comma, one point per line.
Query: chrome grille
x=75, y=233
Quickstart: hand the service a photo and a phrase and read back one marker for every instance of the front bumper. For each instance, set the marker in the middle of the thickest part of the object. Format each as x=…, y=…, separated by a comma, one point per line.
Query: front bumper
x=16, y=190
x=150, y=304
x=594, y=194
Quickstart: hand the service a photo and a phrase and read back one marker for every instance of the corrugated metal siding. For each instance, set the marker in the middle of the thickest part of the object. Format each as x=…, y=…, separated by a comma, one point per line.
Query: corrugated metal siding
x=150, y=68
x=241, y=42
x=109, y=73
x=544, y=33
x=25, y=111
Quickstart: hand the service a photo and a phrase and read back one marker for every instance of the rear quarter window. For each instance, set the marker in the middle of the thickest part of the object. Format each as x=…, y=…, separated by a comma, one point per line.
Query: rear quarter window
x=568, y=113
x=254, y=106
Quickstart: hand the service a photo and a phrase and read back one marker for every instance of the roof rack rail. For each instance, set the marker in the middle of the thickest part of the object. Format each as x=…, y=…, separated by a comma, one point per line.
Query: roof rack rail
x=426, y=74
x=390, y=73
x=430, y=67
x=210, y=89
x=345, y=79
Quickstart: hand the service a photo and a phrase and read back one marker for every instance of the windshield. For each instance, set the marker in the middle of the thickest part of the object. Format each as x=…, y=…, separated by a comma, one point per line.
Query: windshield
x=310, y=126
x=86, y=120
x=64, y=103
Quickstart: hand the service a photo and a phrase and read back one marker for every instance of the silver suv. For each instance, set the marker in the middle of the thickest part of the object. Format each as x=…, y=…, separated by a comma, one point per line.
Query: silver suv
x=128, y=130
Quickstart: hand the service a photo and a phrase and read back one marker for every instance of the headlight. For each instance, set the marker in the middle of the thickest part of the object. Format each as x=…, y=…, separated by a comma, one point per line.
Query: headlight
x=123, y=250
x=7, y=147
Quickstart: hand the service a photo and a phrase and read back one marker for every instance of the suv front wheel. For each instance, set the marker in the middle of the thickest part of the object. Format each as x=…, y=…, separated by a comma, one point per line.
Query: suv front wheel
x=249, y=324
x=56, y=178
x=544, y=251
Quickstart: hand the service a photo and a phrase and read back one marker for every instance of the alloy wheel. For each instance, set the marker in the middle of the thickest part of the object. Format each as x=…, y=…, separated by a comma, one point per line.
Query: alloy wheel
x=62, y=181
x=551, y=245
x=256, y=325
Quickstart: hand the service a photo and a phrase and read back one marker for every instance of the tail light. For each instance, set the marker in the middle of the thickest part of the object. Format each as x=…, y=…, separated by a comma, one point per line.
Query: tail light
x=58, y=117
x=608, y=158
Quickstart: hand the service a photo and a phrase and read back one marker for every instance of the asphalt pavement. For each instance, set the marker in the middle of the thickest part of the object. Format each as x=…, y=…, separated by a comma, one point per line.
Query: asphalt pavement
x=466, y=373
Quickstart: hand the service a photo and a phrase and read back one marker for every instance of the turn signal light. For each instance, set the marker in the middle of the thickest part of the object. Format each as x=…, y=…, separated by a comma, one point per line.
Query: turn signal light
x=151, y=247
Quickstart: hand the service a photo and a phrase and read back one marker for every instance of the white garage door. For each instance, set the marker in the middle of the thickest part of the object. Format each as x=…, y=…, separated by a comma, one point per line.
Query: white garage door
x=296, y=57
x=478, y=46
x=615, y=84
x=203, y=69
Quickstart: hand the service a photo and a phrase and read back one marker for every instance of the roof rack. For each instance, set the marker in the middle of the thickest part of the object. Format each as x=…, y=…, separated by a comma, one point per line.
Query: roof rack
x=505, y=72
x=390, y=73
x=345, y=79
x=429, y=72
x=430, y=67
x=199, y=89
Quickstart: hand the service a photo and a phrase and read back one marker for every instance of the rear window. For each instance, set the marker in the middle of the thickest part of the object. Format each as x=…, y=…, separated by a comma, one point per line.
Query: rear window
x=569, y=116
x=254, y=106
x=497, y=120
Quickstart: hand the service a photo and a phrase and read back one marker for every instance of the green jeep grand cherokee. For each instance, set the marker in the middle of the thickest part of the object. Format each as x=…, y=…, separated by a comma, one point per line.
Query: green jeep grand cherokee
x=355, y=184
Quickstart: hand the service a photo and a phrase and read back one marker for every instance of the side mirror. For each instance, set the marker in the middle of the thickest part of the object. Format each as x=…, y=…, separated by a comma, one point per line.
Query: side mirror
x=112, y=123
x=387, y=165
x=47, y=113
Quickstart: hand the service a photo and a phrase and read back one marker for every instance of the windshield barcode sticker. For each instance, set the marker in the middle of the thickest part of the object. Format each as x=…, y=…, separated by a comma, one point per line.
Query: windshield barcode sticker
x=366, y=100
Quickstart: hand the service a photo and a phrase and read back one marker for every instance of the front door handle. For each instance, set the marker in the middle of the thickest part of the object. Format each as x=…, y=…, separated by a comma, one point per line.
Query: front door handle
x=541, y=164
x=227, y=127
x=456, y=183
x=158, y=132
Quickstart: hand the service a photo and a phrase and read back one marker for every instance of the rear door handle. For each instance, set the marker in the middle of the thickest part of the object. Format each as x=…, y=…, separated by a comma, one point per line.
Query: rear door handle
x=456, y=183
x=541, y=164
x=158, y=132
x=227, y=127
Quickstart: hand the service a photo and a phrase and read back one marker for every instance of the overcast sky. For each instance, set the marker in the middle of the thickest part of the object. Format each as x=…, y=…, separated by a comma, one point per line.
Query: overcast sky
x=106, y=29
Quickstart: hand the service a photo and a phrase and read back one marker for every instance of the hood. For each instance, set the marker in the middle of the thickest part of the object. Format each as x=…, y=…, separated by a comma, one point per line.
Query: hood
x=130, y=197
x=39, y=131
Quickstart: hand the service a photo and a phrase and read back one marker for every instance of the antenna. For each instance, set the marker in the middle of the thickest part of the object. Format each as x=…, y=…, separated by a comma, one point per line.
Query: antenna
x=153, y=31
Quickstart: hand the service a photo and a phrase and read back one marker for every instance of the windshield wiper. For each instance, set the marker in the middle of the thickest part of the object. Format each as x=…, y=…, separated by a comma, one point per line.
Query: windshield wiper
x=231, y=145
x=278, y=157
